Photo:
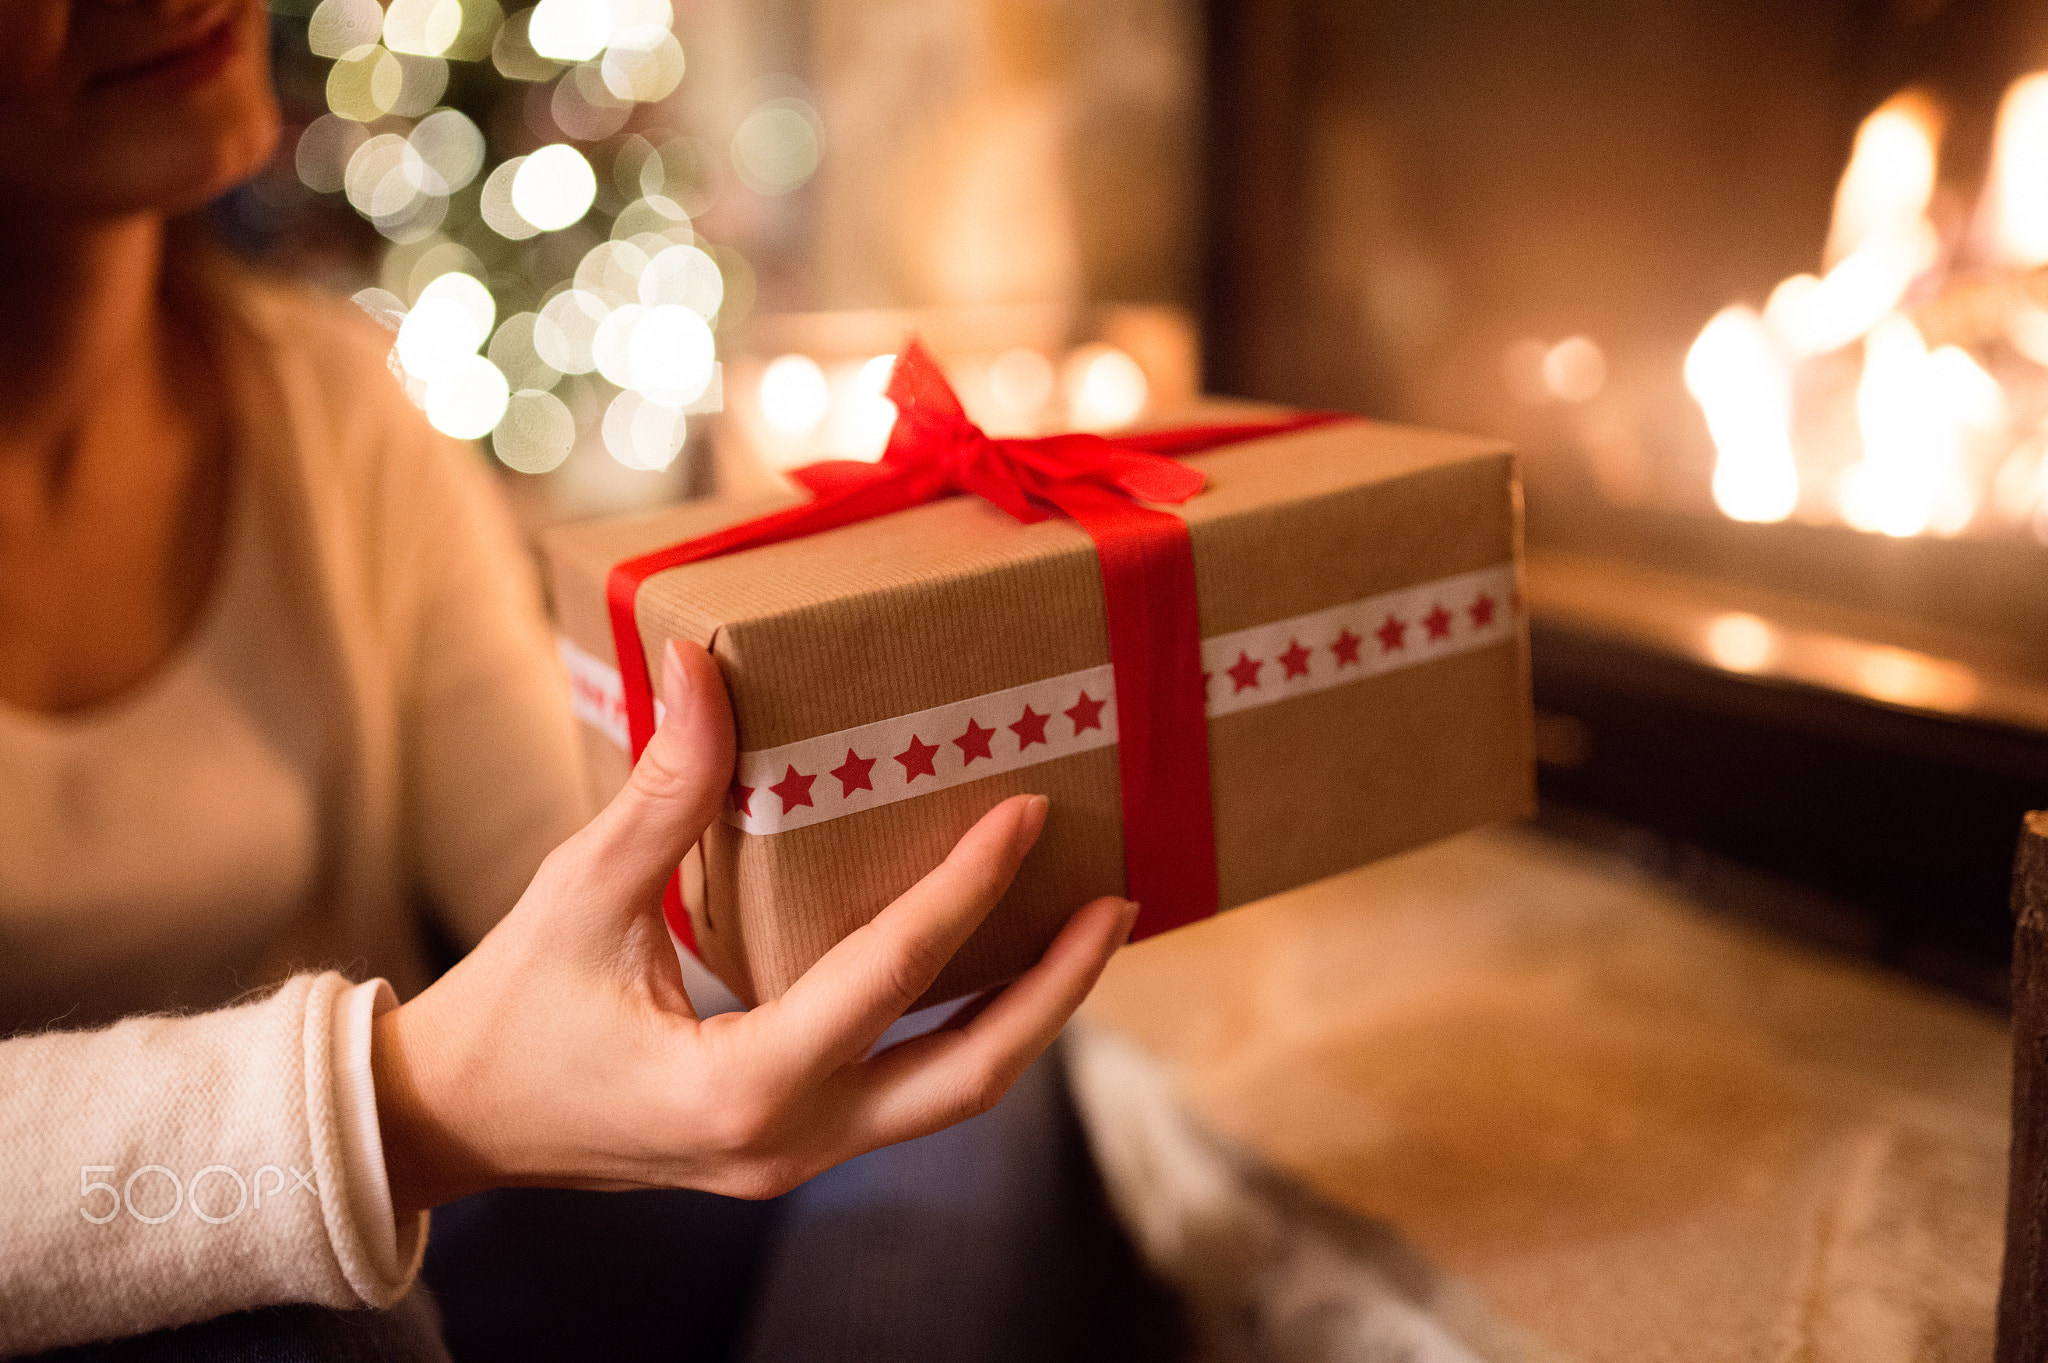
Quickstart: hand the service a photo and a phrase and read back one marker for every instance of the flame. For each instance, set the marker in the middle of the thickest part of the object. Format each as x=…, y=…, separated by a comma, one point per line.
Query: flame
x=1743, y=385
x=1890, y=178
x=1917, y=412
x=1966, y=388
x=1880, y=240
x=2018, y=187
x=1911, y=477
x=1813, y=316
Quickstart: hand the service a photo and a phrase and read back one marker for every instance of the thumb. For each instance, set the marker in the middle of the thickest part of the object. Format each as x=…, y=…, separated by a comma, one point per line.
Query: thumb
x=678, y=783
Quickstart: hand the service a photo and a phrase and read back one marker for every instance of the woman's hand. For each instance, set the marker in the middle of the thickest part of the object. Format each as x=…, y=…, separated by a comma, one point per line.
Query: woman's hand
x=563, y=1051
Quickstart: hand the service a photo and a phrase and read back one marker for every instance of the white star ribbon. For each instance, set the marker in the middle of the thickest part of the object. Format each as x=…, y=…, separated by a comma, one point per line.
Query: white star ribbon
x=875, y=764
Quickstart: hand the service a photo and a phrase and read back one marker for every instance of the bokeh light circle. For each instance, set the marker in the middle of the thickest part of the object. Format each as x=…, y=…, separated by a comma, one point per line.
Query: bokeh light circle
x=631, y=14
x=642, y=434
x=582, y=107
x=430, y=263
x=654, y=215
x=467, y=292
x=612, y=270
x=610, y=346
x=874, y=376
x=794, y=395
x=862, y=421
x=669, y=355
x=554, y=187
x=423, y=27
x=512, y=51
x=422, y=82
x=567, y=327
x=365, y=84
x=777, y=146
x=644, y=64
x=339, y=27
x=1105, y=388
x=569, y=30
x=437, y=336
x=451, y=146
x=1020, y=382
x=495, y=203
x=518, y=359
x=324, y=149
x=467, y=399
x=384, y=176
x=685, y=276
x=419, y=220
x=536, y=433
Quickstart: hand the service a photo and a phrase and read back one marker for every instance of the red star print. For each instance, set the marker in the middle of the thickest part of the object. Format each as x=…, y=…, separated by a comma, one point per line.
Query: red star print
x=1346, y=648
x=1086, y=713
x=917, y=759
x=1439, y=622
x=1030, y=729
x=1245, y=671
x=853, y=773
x=1295, y=659
x=1393, y=635
x=740, y=795
x=1482, y=611
x=974, y=743
x=794, y=788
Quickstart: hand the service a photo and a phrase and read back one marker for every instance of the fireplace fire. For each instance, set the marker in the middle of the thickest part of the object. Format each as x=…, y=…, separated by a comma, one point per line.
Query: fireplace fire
x=1903, y=390
x=1761, y=292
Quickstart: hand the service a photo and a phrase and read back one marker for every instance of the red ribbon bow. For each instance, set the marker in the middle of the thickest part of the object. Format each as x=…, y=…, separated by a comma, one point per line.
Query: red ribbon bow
x=1148, y=578
x=934, y=450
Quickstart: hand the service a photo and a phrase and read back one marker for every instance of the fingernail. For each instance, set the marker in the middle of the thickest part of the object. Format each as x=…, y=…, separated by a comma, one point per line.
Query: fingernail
x=1033, y=822
x=675, y=682
x=1131, y=911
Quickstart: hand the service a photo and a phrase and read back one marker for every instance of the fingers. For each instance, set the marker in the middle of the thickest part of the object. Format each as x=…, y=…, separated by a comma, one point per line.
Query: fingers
x=871, y=977
x=935, y=1080
x=677, y=785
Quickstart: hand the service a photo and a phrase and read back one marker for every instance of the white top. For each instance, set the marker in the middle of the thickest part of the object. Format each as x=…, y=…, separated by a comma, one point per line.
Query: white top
x=368, y=720
x=151, y=846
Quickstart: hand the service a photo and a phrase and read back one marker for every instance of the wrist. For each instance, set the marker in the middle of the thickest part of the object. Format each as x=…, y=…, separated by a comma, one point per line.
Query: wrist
x=425, y=1157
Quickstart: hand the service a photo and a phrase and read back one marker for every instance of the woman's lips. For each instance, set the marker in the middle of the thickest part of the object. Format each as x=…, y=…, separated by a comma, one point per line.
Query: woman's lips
x=184, y=64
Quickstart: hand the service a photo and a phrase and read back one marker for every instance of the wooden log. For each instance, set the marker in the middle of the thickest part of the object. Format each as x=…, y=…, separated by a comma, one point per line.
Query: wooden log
x=2023, y=1295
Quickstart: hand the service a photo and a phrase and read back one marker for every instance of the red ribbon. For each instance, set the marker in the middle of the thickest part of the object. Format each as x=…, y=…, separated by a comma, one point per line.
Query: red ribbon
x=1148, y=582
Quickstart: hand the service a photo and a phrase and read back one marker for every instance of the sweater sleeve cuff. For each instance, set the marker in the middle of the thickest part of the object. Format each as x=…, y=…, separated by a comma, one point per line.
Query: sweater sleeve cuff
x=379, y=1257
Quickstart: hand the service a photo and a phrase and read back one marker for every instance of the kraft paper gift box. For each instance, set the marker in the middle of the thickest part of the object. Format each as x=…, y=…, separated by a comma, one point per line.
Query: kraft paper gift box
x=891, y=680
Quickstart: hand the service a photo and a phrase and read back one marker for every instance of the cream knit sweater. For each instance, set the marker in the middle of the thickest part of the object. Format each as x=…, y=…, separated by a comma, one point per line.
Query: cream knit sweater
x=171, y=1168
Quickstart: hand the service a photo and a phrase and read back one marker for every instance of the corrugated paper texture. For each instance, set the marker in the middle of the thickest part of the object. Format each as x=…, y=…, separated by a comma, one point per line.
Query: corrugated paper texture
x=956, y=600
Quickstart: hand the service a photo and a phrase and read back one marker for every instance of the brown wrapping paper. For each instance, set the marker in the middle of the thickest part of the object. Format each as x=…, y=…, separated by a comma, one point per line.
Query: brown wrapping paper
x=955, y=600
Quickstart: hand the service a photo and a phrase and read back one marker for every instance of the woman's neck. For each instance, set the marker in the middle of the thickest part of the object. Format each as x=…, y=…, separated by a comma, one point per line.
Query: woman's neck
x=113, y=467
x=81, y=353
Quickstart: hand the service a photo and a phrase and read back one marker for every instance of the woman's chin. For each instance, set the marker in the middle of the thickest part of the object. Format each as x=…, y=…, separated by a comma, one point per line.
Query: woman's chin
x=236, y=158
x=179, y=165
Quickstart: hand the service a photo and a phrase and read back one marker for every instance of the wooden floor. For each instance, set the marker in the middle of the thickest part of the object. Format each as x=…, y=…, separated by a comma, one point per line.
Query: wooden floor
x=1640, y=1129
